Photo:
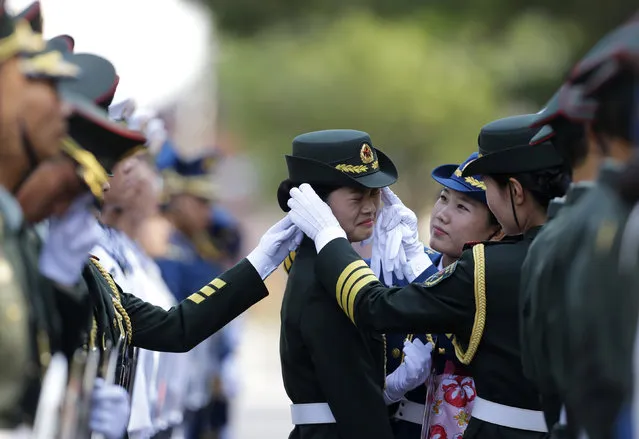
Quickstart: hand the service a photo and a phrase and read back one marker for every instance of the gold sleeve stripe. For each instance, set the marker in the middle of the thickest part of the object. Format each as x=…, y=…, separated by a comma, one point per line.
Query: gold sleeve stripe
x=195, y=297
x=288, y=264
x=354, y=277
x=212, y=287
x=218, y=284
x=359, y=273
x=361, y=283
x=207, y=290
x=480, y=309
x=339, y=287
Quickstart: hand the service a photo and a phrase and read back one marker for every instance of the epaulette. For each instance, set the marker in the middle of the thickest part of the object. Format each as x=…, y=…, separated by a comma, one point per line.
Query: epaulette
x=430, y=251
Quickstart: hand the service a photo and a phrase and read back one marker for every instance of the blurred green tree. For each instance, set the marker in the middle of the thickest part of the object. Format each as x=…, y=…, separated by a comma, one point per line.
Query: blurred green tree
x=590, y=18
x=421, y=88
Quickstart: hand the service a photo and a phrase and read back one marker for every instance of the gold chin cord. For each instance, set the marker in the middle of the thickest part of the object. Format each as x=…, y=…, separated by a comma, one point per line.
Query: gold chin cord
x=90, y=170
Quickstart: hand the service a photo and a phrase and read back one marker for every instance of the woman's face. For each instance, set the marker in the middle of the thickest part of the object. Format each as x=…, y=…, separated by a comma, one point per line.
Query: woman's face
x=355, y=209
x=457, y=219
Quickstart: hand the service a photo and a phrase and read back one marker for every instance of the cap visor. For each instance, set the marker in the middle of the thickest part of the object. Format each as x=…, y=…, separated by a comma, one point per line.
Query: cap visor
x=97, y=77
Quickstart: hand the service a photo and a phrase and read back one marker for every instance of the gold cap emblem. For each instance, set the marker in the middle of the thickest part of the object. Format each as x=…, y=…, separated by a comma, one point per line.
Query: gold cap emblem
x=366, y=154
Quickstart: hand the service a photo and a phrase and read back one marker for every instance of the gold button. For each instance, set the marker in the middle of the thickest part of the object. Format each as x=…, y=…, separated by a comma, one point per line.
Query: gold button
x=396, y=352
x=442, y=351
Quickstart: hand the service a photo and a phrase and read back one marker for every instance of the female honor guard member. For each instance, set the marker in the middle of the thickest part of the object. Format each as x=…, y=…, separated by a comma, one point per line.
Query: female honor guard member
x=459, y=216
x=475, y=298
x=333, y=372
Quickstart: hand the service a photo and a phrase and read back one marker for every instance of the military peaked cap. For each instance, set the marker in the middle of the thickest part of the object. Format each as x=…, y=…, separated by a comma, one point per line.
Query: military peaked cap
x=504, y=148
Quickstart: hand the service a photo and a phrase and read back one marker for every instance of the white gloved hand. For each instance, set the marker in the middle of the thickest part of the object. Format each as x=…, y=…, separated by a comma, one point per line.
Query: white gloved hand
x=275, y=245
x=399, y=252
x=70, y=238
x=386, y=234
x=313, y=216
x=110, y=409
x=412, y=373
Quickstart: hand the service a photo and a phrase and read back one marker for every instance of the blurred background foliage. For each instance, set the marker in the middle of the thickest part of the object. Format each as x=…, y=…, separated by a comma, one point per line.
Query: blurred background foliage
x=421, y=77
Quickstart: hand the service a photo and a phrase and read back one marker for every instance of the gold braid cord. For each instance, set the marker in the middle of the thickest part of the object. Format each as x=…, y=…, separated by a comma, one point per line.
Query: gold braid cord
x=120, y=312
x=94, y=334
x=480, y=309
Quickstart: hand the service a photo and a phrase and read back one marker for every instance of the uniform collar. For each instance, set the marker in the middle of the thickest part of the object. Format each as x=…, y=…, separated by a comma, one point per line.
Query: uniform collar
x=10, y=212
x=577, y=190
x=532, y=232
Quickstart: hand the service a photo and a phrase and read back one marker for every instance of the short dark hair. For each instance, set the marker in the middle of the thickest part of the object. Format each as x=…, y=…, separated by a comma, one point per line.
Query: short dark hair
x=323, y=191
x=628, y=183
x=616, y=105
x=570, y=141
x=544, y=185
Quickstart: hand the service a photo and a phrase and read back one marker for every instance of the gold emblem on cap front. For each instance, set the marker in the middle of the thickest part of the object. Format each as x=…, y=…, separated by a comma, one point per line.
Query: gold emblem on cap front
x=366, y=154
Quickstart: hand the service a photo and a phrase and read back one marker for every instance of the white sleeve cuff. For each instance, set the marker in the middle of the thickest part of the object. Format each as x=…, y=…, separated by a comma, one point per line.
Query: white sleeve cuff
x=418, y=265
x=261, y=263
x=326, y=235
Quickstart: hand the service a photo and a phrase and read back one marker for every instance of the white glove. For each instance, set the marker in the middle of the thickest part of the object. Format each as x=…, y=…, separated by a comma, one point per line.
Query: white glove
x=387, y=239
x=313, y=216
x=412, y=373
x=70, y=238
x=110, y=409
x=275, y=245
x=403, y=253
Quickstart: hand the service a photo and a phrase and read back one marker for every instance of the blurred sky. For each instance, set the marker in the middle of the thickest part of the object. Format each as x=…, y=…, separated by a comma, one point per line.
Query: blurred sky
x=157, y=46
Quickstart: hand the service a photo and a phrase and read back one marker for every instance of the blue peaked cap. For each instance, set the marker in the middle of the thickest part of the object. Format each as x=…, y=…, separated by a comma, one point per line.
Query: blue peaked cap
x=450, y=176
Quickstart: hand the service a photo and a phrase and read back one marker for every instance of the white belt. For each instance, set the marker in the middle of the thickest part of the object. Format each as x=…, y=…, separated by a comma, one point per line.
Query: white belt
x=410, y=412
x=312, y=413
x=506, y=416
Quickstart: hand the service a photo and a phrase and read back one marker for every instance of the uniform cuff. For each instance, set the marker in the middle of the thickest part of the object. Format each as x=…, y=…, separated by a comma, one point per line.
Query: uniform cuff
x=327, y=235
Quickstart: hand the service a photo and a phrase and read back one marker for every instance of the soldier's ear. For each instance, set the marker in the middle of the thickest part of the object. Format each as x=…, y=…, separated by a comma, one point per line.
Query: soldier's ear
x=517, y=191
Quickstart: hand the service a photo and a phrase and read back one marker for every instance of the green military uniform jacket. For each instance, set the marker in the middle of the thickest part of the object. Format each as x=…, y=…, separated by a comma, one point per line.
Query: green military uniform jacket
x=325, y=359
x=50, y=315
x=601, y=312
x=475, y=298
x=544, y=277
x=15, y=330
x=185, y=325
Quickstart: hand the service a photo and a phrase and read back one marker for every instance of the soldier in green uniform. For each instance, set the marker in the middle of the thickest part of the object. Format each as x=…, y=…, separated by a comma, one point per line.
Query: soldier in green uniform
x=551, y=265
x=541, y=339
x=14, y=321
x=601, y=381
x=472, y=298
x=33, y=124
